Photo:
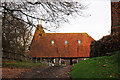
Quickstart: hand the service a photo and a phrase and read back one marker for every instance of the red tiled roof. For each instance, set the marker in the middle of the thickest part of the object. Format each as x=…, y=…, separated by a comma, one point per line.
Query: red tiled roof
x=43, y=47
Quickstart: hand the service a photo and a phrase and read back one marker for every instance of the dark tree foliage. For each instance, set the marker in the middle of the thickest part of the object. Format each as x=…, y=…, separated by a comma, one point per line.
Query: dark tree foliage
x=105, y=45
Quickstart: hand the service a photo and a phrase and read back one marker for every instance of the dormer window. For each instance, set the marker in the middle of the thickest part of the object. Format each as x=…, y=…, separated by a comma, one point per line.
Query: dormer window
x=79, y=41
x=66, y=42
x=40, y=34
x=52, y=42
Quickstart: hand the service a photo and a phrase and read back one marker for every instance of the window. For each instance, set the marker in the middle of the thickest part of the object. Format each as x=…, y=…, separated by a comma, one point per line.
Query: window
x=40, y=34
x=79, y=42
x=52, y=42
x=66, y=42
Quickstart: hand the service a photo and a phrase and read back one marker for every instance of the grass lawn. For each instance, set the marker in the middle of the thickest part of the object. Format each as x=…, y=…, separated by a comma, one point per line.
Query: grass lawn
x=20, y=64
x=98, y=67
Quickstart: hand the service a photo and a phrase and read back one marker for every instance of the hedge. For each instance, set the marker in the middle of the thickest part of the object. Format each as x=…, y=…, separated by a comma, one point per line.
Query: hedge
x=105, y=45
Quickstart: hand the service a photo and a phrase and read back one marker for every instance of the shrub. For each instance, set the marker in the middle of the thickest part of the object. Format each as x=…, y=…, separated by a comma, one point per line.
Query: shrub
x=105, y=45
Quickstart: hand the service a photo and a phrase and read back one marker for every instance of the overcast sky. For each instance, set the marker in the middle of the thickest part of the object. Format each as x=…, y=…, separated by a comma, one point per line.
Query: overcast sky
x=97, y=25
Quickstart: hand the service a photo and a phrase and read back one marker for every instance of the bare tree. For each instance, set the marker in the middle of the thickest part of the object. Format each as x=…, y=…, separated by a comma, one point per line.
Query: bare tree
x=18, y=19
x=53, y=13
x=16, y=34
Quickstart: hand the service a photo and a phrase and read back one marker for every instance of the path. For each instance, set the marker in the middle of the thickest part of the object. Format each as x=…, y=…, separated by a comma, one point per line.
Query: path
x=48, y=72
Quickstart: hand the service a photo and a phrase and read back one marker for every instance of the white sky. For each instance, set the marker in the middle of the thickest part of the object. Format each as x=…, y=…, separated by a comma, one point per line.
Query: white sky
x=97, y=25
